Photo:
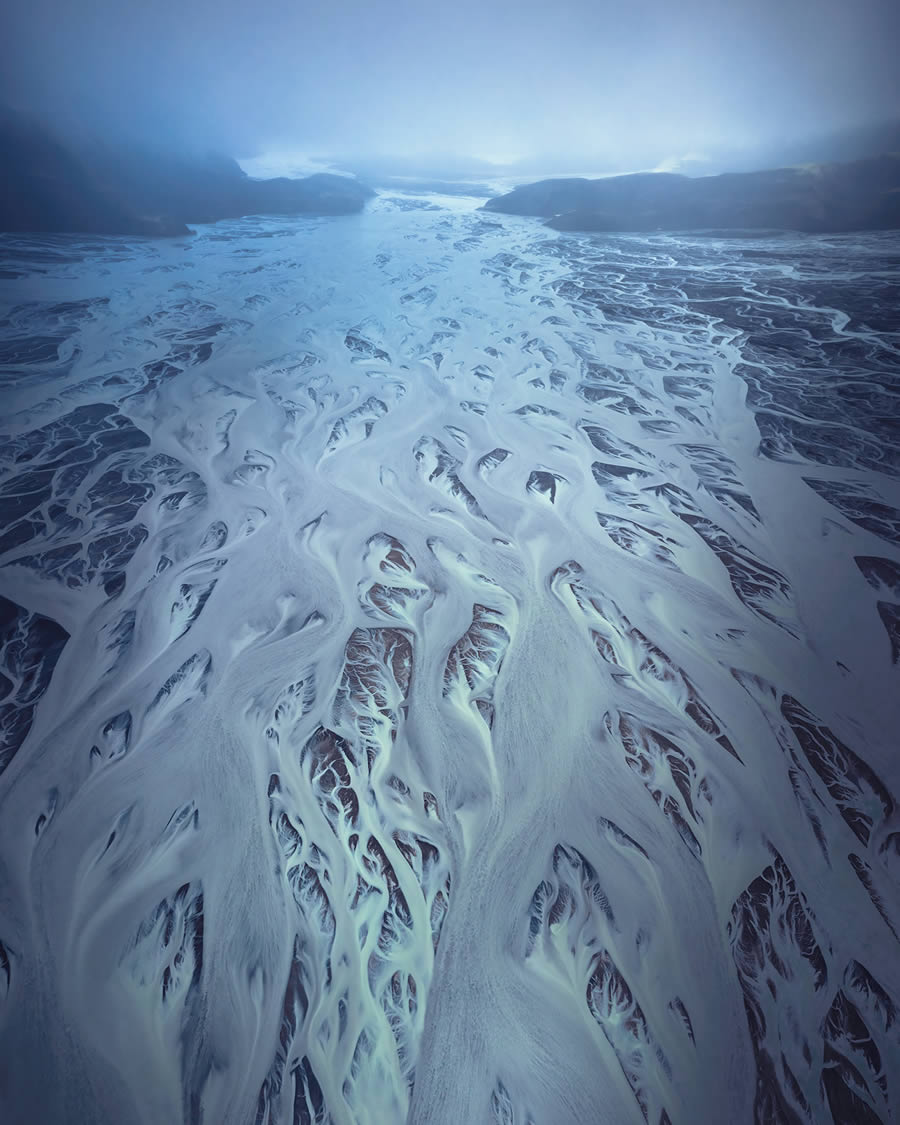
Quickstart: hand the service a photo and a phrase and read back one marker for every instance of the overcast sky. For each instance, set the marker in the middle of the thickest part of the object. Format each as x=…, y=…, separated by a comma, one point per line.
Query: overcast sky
x=586, y=80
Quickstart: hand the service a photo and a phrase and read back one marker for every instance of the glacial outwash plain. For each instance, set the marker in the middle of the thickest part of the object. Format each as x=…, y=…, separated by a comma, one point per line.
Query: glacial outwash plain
x=449, y=675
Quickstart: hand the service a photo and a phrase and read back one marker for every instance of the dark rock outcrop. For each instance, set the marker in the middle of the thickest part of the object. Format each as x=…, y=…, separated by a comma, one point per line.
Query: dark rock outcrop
x=49, y=186
x=862, y=195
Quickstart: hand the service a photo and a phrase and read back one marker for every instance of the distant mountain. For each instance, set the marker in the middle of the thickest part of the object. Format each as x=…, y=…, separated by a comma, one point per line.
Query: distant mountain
x=49, y=186
x=835, y=147
x=861, y=195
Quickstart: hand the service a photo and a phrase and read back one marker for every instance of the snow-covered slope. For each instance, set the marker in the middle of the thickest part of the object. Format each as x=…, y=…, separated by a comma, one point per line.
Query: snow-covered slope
x=449, y=675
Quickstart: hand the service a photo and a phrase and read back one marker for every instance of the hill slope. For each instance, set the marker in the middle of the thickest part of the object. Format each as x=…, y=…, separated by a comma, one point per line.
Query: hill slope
x=47, y=186
x=862, y=195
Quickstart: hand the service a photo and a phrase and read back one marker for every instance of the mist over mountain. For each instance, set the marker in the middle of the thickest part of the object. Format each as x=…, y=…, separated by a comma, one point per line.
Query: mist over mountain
x=859, y=142
x=102, y=185
x=873, y=138
x=573, y=88
x=106, y=184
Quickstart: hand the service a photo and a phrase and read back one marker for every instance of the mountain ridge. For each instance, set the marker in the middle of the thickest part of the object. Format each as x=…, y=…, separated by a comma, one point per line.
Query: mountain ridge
x=823, y=198
x=49, y=186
